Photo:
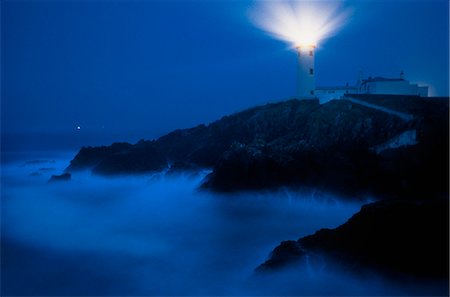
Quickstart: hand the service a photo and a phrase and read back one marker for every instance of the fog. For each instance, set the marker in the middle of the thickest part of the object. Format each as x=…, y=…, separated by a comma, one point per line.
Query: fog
x=159, y=235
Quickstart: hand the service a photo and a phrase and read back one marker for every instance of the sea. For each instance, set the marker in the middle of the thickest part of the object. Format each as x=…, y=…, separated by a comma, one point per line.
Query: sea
x=161, y=235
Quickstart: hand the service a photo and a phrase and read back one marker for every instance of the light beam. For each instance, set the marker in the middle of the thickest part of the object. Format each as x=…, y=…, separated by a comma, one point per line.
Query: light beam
x=303, y=25
x=300, y=23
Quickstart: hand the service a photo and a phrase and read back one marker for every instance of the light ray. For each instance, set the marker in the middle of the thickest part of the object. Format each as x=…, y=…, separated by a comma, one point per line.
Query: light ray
x=300, y=23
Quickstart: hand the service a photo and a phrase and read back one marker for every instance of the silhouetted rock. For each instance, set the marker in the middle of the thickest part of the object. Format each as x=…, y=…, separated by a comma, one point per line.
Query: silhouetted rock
x=62, y=177
x=334, y=150
x=335, y=146
x=394, y=237
x=183, y=167
x=89, y=157
x=340, y=147
x=140, y=158
x=287, y=253
x=205, y=145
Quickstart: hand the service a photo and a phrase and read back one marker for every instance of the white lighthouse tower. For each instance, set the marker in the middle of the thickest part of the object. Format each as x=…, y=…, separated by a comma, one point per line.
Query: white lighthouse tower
x=305, y=72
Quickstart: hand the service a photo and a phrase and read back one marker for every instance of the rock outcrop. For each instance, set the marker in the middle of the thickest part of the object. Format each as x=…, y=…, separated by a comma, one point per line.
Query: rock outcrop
x=395, y=237
x=339, y=146
x=298, y=142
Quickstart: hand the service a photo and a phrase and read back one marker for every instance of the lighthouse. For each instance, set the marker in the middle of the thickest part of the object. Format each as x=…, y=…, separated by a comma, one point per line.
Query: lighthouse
x=304, y=25
x=306, y=72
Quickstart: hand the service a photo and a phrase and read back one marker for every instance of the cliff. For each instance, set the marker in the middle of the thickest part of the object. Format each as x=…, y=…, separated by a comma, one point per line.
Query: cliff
x=399, y=238
x=340, y=145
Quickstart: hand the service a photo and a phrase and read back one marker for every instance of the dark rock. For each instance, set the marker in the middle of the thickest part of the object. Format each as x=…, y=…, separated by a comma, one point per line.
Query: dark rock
x=62, y=177
x=143, y=157
x=183, y=167
x=205, y=145
x=299, y=143
x=332, y=151
x=254, y=168
x=288, y=252
x=249, y=168
x=394, y=237
x=89, y=157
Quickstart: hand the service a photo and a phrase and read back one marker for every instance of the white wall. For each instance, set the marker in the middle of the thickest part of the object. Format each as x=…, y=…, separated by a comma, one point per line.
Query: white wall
x=401, y=87
x=305, y=79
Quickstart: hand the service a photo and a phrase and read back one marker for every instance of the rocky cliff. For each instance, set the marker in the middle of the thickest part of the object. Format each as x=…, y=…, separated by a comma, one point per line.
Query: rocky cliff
x=340, y=146
x=298, y=143
x=395, y=237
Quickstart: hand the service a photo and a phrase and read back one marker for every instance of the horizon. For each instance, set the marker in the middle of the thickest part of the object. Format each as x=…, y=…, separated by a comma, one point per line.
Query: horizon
x=224, y=148
x=147, y=68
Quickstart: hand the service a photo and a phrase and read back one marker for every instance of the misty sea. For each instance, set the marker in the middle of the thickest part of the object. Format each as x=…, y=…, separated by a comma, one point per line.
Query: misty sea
x=159, y=234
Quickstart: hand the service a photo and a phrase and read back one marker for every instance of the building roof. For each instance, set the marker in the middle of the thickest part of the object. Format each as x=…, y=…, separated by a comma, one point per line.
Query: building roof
x=337, y=88
x=379, y=78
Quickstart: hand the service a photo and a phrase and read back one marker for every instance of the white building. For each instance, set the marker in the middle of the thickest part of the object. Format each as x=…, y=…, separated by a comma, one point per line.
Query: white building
x=305, y=72
x=376, y=85
x=391, y=86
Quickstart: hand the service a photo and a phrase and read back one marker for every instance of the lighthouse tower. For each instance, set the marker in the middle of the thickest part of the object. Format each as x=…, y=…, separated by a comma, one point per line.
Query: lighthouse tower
x=305, y=72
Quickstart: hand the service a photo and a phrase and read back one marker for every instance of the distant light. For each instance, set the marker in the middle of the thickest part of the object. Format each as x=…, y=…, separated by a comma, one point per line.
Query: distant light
x=301, y=23
x=78, y=128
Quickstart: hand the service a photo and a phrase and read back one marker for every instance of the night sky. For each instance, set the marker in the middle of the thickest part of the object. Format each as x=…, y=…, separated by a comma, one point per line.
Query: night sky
x=144, y=68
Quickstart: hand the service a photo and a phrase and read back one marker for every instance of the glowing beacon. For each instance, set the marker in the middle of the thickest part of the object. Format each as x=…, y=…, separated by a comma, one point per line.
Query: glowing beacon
x=303, y=24
x=305, y=73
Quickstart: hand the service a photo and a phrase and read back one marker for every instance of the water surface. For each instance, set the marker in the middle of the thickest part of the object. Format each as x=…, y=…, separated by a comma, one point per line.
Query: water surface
x=158, y=235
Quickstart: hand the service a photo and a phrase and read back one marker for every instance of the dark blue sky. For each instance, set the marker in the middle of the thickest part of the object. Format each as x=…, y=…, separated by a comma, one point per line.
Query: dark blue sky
x=147, y=67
